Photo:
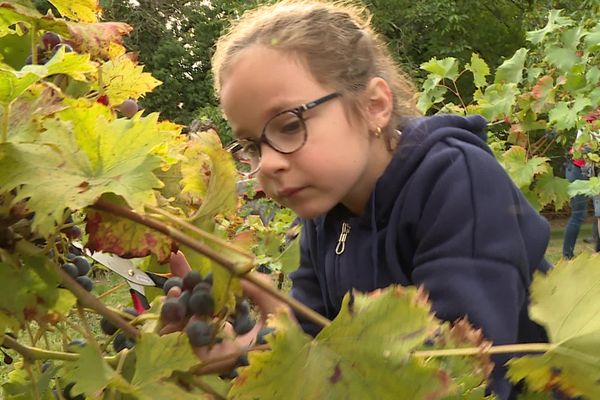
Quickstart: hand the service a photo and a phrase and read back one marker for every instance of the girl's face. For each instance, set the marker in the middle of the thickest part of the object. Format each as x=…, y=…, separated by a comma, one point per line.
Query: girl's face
x=338, y=162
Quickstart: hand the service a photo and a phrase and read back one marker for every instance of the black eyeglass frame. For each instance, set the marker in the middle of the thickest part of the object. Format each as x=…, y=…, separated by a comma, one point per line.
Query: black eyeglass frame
x=298, y=111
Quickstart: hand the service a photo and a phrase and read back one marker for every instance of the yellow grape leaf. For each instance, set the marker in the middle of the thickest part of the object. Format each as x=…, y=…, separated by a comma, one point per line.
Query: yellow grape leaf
x=78, y=10
x=10, y=13
x=84, y=155
x=123, y=79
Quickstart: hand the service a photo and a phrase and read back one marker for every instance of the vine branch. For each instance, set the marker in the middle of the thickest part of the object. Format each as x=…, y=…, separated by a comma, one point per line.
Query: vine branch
x=196, y=245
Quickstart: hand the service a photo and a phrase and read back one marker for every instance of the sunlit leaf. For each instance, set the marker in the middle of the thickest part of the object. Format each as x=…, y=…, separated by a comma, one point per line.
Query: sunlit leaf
x=479, y=68
x=562, y=58
x=497, y=101
x=97, y=156
x=123, y=79
x=90, y=372
x=10, y=13
x=445, y=68
x=566, y=114
x=78, y=10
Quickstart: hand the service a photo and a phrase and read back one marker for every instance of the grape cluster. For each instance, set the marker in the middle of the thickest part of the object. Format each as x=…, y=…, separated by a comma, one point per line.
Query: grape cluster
x=121, y=341
x=51, y=43
x=196, y=300
x=78, y=267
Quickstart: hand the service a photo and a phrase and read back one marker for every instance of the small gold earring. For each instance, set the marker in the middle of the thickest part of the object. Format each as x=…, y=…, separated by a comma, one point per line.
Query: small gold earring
x=377, y=132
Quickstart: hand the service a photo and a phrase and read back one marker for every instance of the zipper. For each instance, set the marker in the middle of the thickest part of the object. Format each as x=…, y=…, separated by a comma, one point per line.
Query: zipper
x=341, y=245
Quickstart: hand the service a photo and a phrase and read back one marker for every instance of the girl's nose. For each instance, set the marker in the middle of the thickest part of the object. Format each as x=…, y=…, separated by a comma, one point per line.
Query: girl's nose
x=272, y=161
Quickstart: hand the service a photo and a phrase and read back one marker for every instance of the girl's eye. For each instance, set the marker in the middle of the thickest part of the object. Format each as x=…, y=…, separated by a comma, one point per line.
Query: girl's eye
x=291, y=127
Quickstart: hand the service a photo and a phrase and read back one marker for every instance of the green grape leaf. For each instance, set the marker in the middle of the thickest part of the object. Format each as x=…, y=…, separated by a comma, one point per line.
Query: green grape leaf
x=290, y=257
x=78, y=10
x=11, y=13
x=386, y=325
x=555, y=21
x=592, y=38
x=446, y=68
x=89, y=372
x=24, y=124
x=480, y=70
x=590, y=187
x=562, y=58
x=165, y=390
x=96, y=38
x=158, y=356
x=125, y=238
x=123, y=79
x=14, y=83
x=521, y=169
x=84, y=160
x=26, y=288
x=496, y=102
x=72, y=64
x=552, y=189
x=565, y=302
x=511, y=70
x=566, y=114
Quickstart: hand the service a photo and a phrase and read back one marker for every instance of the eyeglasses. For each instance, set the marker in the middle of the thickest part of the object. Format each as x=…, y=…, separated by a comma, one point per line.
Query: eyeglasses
x=285, y=133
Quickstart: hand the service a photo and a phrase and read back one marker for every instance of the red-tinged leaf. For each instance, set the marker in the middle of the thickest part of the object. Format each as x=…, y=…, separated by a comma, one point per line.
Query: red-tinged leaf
x=125, y=238
x=96, y=38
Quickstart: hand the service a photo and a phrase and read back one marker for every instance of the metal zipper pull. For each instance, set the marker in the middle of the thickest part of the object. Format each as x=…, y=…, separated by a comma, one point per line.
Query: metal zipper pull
x=341, y=245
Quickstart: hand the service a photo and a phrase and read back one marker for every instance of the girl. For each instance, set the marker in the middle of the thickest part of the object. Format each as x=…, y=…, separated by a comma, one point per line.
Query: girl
x=328, y=125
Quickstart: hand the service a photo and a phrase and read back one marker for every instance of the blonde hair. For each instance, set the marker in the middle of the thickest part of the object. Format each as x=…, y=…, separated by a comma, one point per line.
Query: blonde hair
x=335, y=41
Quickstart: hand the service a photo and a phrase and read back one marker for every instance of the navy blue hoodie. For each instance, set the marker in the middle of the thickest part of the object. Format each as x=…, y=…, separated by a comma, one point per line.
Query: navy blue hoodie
x=444, y=215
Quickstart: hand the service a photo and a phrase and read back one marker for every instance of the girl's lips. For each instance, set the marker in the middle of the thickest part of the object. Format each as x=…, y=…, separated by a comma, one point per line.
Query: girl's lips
x=288, y=192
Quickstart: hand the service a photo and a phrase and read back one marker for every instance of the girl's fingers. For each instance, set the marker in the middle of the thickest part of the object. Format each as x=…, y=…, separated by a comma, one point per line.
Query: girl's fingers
x=178, y=263
x=266, y=303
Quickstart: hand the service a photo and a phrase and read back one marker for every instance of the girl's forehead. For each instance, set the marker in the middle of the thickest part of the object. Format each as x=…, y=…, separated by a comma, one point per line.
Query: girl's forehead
x=262, y=81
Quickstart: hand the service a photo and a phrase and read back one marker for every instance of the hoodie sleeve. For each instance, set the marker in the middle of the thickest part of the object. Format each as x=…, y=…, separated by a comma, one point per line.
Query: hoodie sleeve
x=478, y=241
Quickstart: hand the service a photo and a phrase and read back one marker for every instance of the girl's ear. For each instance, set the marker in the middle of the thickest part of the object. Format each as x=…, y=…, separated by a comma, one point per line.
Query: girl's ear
x=379, y=103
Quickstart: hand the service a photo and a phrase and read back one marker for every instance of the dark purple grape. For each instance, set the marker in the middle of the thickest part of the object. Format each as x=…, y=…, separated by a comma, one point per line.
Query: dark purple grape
x=243, y=324
x=242, y=307
x=107, y=327
x=191, y=279
x=86, y=282
x=174, y=281
x=200, y=333
x=122, y=341
x=172, y=311
x=128, y=108
x=67, y=393
x=70, y=269
x=7, y=359
x=46, y=365
x=232, y=374
x=50, y=40
x=264, y=331
x=82, y=264
x=201, y=303
x=202, y=286
x=208, y=278
x=184, y=300
x=72, y=232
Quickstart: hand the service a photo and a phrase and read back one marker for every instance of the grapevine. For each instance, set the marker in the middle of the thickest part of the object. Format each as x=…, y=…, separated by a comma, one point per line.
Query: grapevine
x=132, y=185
